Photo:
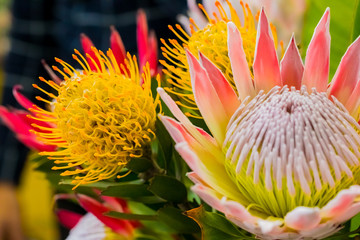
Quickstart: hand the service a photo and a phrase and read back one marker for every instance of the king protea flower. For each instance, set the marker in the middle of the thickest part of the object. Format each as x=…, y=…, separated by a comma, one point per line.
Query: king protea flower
x=212, y=42
x=101, y=118
x=282, y=160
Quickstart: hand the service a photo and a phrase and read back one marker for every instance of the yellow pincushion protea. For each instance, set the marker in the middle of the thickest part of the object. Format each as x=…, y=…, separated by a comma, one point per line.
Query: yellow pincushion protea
x=102, y=118
x=210, y=41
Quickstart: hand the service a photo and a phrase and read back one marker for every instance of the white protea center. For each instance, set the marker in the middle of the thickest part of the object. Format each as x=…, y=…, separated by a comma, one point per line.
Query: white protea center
x=291, y=148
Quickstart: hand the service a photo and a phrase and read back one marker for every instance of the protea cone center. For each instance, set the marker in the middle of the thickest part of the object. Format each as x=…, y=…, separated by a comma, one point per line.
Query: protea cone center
x=210, y=41
x=291, y=148
x=282, y=157
x=102, y=118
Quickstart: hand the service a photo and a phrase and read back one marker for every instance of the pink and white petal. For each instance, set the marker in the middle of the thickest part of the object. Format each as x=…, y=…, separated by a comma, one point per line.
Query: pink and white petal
x=230, y=208
x=208, y=168
x=210, y=7
x=196, y=14
x=89, y=228
x=348, y=73
x=179, y=134
x=195, y=178
x=240, y=68
x=179, y=115
x=209, y=196
x=349, y=213
x=184, y=21
x=264, y=229
x=280, y=236
x=237, y=211
x=117, y=46
x=207, y=100
x=266, y=65
x=176, y=130
x=317, y=61
x=291, y=66
x=303, y=218
x=353, y=102
x=21, y=99
x=222, y=87
x=323, y=230
x=270, y=228
x=119, y=226
x=173, y=107
x=341, y=203
x=142, y=35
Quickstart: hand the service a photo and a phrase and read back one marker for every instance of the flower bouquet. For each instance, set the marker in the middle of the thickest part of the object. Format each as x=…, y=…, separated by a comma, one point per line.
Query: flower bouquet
x=236, y=137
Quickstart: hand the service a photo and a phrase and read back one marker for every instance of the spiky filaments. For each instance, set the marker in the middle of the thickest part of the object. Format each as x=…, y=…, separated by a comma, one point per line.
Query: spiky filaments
x=212, y=42
x=291, y=148
x=102, y=118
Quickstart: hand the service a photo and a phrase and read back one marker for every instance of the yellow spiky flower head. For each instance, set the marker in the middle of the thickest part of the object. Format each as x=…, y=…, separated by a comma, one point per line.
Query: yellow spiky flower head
x=101, y=118
x=210, y=41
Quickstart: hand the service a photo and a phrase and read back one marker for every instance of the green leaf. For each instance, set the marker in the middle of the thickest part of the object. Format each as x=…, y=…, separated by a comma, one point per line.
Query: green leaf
x=356, y=28
x=165, y=144
x=175, y=219
x=129, y=216
x=150, y=227
x=168, y=188
x=127, y=191
x=355, y=222
x=342, y=235
x=342, y=24
x=214, y=226
x=35, y=157
x=99, y=185
x=139, y=165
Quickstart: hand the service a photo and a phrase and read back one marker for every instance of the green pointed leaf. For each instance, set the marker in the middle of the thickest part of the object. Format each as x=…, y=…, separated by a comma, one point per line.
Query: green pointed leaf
x=150, y=227
x=99, y=185
x=356, y=28
x=165, y=144
x=168, y=188
x=355, y=222
x=175, y=219
x=129, y=216
x=214, y=226
x=139, y=165
x=35, y=157
x=127, y=191
x=342, y=24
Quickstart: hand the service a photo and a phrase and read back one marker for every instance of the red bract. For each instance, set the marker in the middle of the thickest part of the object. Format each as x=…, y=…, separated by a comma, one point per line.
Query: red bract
x=98, y=209
x=146, y=44
x=18, y=122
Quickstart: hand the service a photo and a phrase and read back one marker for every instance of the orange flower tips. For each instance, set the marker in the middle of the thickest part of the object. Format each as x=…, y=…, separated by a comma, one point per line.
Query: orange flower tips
x=102, y=117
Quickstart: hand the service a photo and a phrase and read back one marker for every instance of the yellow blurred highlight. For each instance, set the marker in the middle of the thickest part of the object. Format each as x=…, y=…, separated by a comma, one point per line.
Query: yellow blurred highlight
x=36, y=208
